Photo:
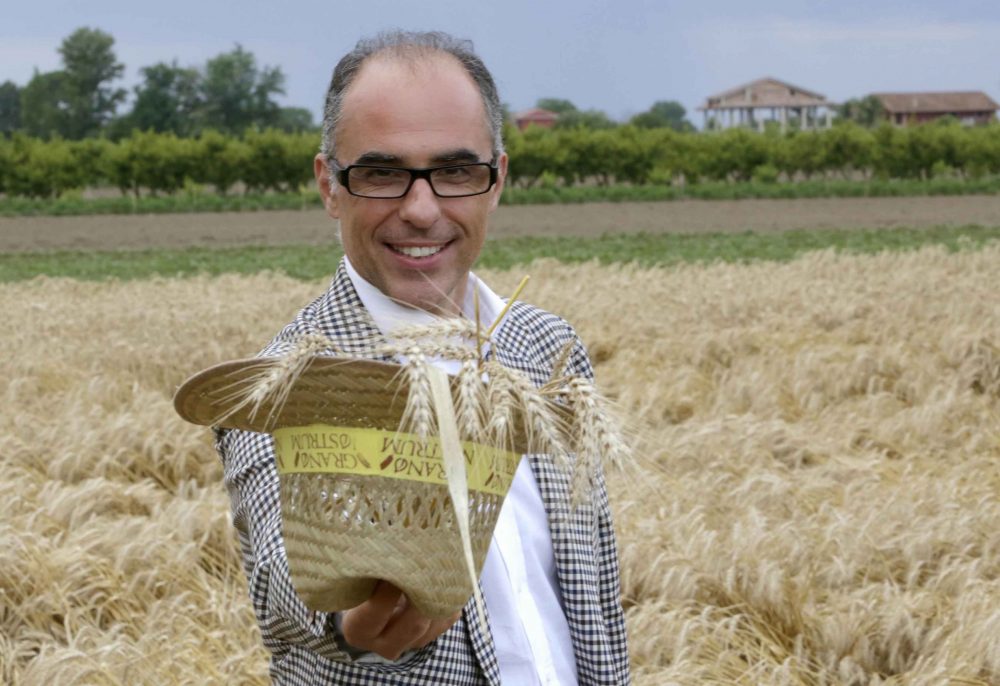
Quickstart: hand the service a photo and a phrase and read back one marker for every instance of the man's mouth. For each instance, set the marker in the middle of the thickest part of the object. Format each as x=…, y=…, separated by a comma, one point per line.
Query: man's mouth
x=417, y=251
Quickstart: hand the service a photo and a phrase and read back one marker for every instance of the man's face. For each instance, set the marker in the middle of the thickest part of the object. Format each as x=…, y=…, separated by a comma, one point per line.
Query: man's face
x=417, y=249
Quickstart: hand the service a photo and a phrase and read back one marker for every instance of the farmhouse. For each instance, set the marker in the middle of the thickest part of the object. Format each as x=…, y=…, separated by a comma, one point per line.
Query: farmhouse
x=969, y=107
x=767, y=99
x=537, y=116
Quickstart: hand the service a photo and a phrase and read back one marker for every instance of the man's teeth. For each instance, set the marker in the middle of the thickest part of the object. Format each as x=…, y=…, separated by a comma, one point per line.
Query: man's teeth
x=424, y=251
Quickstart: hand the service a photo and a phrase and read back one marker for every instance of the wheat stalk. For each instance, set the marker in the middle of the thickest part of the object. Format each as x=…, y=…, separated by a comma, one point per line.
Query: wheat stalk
x=433, y=349
x=451, y=327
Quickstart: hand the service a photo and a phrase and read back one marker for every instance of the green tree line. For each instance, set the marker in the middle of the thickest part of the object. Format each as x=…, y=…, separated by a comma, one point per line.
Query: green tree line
x=229, y=93
x=152, y=163
x=662, y=155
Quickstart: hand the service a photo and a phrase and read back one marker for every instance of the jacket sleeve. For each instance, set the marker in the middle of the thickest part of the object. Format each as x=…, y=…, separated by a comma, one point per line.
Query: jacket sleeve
x=251, y=479
x=609, y=580
x=252, y=482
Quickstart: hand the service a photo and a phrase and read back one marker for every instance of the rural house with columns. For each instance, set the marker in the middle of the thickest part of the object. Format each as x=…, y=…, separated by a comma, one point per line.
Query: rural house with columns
x=768, y=99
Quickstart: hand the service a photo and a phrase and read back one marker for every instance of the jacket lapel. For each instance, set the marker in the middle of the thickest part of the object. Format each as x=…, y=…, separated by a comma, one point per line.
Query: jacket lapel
x=342, y=317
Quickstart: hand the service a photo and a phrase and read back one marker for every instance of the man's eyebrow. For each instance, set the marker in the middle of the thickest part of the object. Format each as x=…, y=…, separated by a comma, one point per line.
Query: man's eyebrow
x=457, y=156
x=378, y=158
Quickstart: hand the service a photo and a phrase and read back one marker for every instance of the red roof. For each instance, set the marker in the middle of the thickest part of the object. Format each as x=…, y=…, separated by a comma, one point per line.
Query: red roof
x=536, y=114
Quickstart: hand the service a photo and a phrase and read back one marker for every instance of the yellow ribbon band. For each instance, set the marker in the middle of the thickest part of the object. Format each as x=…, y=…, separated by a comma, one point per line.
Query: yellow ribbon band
x=320, y=448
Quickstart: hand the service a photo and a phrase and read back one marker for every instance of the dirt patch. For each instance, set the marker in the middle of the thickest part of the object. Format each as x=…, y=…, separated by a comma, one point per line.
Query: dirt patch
x=135, y=232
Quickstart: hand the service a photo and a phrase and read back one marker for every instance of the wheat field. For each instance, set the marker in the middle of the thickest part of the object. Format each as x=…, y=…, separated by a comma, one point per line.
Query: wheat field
x=814, y=497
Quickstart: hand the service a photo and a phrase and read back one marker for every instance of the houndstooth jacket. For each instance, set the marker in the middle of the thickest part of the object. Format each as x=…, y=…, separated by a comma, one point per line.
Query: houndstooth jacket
x=304, y=644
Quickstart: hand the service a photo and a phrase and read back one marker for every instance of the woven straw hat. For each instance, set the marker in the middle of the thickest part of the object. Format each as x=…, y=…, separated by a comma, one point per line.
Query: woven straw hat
x=361, y=501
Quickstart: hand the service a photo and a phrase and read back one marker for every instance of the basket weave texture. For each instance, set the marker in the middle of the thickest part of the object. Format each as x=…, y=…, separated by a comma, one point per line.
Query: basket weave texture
x=343, y=533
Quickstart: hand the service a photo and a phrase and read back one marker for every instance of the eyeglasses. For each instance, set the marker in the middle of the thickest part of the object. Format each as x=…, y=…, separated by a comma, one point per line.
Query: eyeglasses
x=452, y=181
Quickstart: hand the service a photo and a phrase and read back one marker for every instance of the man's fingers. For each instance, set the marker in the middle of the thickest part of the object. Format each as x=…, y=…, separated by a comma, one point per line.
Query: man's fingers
x=366, y=622
x=411, y=630
x=405, y=631
x=435, y=629
x=389, y=625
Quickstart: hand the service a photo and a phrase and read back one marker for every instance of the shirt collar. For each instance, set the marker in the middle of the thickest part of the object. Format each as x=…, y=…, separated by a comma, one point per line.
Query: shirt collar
x=389, y=315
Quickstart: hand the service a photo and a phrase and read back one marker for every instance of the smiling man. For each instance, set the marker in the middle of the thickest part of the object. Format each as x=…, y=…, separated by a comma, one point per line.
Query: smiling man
x=411, y=167
x=398, y=115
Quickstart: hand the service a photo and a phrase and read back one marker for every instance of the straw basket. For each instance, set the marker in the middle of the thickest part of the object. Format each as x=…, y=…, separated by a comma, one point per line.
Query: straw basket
x=361, y=500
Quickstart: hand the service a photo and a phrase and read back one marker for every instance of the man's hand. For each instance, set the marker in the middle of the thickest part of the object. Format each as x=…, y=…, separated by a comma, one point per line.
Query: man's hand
x=387, y=624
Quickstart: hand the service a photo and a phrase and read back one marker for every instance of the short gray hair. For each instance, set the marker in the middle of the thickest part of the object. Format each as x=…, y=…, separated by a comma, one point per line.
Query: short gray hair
x=411, y=45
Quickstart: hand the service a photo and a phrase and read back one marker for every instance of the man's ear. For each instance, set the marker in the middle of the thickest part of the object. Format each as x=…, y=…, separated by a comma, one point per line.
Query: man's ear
x=321, y=170
x=501, y=179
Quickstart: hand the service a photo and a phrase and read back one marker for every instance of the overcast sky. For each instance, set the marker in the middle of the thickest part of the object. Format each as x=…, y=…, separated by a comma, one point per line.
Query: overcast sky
x=618, y=56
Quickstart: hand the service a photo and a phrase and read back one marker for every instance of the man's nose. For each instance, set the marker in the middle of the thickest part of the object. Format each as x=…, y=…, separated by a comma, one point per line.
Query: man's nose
x=420, y=207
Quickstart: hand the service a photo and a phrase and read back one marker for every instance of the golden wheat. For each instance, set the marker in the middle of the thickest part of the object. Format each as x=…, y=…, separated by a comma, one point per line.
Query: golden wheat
x=816, y=500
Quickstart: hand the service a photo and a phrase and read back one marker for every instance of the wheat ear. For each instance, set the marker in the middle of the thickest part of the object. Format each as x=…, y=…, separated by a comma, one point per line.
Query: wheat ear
x=418, y=415
x=277, y=377
x=451, y=327
x=541, y=424
x=597, y=437
x=469, y=410
x=500, y=406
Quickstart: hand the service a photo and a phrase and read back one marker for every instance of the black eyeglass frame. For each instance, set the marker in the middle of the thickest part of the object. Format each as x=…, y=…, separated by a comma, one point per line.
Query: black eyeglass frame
x=343, y=177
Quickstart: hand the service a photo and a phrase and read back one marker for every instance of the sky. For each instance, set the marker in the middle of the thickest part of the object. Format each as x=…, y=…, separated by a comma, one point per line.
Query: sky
x=618, y=56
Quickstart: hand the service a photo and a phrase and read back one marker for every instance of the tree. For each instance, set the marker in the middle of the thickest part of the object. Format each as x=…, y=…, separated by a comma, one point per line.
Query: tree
x=663, y=114
x=238, y=95
x=866, y=111
x=89, y=66
x=295, y=119
x=557, y=105
x=44, y=108
x=10, y=108
x=586, y=119
x=572, y=118
x=167, y=100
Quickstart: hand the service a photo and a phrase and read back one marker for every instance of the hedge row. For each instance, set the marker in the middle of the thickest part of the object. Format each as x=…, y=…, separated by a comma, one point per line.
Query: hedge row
x=157, y=163
x=663, y=156
x=271, y=160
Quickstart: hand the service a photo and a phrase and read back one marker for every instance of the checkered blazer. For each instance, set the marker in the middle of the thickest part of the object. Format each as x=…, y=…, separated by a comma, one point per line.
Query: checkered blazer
x=305, y=646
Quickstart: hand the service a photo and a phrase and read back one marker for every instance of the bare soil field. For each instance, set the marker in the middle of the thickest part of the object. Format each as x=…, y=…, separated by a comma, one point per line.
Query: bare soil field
x=136, y=232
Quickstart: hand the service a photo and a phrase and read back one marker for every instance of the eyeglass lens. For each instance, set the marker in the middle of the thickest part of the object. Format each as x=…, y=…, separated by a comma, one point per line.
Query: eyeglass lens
x=389, y=182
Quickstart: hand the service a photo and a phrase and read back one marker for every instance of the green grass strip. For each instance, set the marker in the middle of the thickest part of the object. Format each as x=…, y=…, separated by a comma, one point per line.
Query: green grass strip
x=164, y=204
x=312, y=262
x=834, y=188
x=73, y=204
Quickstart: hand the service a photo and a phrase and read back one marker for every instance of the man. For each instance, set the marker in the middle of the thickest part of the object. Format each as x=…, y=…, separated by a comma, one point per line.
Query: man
x=412, y=164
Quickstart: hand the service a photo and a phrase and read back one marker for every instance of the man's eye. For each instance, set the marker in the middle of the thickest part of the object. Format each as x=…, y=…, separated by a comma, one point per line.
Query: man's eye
x=380, y=174
x=453, y=173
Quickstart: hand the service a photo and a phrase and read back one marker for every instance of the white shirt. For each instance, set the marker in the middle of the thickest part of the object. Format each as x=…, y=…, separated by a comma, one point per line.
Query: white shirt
x=526, y=617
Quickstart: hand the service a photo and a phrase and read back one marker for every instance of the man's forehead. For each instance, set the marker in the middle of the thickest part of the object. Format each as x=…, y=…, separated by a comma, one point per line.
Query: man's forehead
x=397, y=107
x=394, y=75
